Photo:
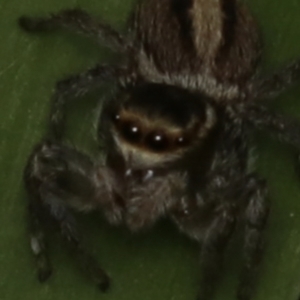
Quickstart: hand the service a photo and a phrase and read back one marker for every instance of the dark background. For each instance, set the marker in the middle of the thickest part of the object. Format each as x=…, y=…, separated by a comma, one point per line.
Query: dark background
x=160, y=264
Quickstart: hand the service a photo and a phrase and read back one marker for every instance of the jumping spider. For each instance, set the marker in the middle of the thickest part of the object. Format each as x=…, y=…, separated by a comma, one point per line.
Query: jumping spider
x=175, y=135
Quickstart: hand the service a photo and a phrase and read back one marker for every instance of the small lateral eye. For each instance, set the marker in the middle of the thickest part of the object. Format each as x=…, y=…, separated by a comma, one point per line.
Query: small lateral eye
x=116, y=118
x=181, y=141
x=157, y=141
x=130, y=131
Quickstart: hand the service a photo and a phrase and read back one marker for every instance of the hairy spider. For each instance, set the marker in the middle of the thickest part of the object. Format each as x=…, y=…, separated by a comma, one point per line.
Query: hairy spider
x=175, y=135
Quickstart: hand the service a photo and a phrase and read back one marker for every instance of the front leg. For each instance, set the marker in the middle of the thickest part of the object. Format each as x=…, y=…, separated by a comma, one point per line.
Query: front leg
x=38, y=241
x=58, y=178
x=228, y=195
x=248, y=202
x=214, y=243
x=255, y=218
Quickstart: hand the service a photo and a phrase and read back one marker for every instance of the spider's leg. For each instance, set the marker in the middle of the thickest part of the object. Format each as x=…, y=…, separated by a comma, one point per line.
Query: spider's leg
x=272, y=85
x=76, y=86
x=256, y=215
x=214, y=244
x=220, y=203
x=59, y=177
x=284, y=128
x=249, y=192
x=38, y=242
x=220, y=192
x=80, y=22
x=87, y=263
x=234, y=192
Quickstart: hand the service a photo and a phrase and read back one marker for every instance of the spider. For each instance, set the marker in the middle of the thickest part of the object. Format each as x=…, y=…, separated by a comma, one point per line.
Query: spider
x=176, y=134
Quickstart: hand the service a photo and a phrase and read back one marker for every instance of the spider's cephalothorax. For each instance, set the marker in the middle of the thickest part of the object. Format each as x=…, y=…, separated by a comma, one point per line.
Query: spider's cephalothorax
x=151, y=125
x=175, y=135
x=151, y=138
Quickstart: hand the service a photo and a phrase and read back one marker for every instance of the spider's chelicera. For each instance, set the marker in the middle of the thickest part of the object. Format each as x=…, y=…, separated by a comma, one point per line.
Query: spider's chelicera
x=175, y=134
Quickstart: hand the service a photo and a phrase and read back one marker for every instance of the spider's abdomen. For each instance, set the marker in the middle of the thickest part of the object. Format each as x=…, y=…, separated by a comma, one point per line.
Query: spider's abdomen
x=211, y=45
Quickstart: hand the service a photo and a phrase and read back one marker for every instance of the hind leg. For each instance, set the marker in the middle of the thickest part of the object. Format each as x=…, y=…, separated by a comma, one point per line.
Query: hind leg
x=80, y=22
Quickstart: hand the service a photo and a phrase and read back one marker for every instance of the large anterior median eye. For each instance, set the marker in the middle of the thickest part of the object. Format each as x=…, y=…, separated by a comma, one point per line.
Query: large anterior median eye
x=157, y=141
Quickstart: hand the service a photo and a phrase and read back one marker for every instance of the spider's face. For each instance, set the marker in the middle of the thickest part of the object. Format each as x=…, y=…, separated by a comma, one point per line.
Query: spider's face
x=155, y=124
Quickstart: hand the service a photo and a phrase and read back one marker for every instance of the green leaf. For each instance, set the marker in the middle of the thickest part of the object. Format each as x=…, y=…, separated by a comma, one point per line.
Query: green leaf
x=161, y=263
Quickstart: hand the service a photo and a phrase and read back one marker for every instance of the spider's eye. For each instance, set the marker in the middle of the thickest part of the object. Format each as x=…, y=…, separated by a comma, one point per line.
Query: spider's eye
x=116, y=118
x=131, y=131
x=182, y=141
x=157, y=141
